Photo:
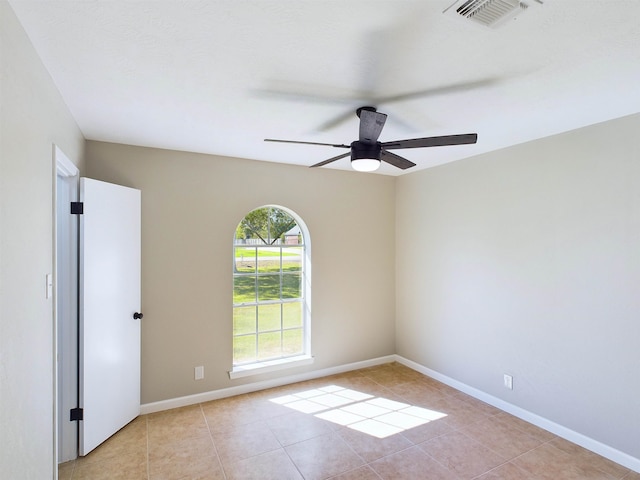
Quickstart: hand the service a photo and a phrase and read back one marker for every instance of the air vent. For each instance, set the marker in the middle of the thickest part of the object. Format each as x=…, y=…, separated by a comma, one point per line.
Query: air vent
x=490, y=13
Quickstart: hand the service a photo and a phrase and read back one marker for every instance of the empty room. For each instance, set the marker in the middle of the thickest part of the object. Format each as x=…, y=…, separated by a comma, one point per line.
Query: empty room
x=311, y=240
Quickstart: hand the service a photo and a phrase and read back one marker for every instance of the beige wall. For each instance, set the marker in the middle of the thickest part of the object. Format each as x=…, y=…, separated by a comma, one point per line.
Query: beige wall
x=527, y=261
x=32, y=118
x=191, y=205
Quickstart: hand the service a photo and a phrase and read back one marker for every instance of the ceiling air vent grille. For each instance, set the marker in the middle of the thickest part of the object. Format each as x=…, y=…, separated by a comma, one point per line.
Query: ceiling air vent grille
x=490, y=13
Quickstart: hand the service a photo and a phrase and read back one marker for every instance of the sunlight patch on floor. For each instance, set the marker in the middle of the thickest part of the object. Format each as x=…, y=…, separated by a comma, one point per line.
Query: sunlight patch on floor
x=376, y=416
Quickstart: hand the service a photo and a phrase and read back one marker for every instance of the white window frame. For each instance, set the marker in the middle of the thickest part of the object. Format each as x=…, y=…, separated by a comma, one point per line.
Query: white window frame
x=305, y=358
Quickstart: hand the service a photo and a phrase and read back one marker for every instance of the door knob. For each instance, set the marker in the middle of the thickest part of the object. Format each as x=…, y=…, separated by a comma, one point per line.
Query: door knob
x=137, y=316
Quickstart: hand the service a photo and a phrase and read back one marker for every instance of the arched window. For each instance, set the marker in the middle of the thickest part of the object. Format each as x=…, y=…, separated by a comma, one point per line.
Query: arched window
x=270, y=289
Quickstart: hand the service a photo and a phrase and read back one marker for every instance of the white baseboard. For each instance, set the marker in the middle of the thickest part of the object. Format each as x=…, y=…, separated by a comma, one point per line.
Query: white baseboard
x=590, y=444
x=256, y=386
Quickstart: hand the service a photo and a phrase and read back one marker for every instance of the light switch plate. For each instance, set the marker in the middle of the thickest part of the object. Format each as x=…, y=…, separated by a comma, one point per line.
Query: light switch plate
x=49, y=281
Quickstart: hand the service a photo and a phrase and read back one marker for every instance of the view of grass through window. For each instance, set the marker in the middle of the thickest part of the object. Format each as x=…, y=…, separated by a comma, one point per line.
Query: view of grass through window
x=268, y=287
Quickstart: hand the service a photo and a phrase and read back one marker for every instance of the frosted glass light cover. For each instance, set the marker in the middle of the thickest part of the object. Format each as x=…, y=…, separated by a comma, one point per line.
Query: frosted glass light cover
x=365, y=164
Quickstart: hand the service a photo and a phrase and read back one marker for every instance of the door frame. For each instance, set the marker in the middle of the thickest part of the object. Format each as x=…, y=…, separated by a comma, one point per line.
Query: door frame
x=65, y=296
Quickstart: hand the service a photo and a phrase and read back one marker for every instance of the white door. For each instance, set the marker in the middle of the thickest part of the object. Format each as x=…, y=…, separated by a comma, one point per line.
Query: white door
x=109, y=298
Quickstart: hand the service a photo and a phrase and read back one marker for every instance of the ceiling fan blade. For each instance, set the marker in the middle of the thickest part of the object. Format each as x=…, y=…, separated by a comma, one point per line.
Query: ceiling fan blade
x=367, y=97
x=339, y=145
x=395, y=160
x=334, y=122
x=371, y=123
x=331, y=160
x=429, y=92
x=301, y=93
x=297, y=93
x=442, y=141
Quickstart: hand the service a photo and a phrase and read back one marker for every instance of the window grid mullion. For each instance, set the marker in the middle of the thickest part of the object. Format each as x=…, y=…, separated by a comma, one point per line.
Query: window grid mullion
x=281, y=288
x=261, y=273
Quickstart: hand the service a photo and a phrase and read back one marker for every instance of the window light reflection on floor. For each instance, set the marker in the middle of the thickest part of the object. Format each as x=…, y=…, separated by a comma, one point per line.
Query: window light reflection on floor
x=376, y=416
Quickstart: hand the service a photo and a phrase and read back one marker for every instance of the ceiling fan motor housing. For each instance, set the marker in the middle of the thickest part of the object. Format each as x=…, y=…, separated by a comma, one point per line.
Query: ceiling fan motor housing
x=361, y=150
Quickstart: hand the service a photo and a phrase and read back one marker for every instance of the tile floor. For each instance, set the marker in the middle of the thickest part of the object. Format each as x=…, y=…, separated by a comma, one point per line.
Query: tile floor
x=385, y=422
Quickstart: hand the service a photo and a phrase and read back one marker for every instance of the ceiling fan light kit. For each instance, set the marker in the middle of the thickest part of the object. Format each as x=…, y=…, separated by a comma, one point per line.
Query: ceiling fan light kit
x=367, y=153
x=365, y=157
x=365, y=164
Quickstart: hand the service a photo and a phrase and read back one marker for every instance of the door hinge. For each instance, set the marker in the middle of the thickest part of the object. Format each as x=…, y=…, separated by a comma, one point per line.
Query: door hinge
x=77, y=208
x=76, y=414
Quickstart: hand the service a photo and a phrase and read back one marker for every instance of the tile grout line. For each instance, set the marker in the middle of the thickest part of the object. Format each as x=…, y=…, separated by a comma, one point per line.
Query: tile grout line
x=215, y=448
x=284, y=450
x=498, y=453
x=146, y=424
x=454, y=429
x=572, y=455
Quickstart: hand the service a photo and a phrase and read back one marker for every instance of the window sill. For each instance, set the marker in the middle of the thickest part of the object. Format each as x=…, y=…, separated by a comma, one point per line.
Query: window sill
x=269, y=366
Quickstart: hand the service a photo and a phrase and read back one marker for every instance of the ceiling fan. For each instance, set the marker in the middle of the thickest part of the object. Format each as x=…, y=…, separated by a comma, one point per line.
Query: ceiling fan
x=367, y=152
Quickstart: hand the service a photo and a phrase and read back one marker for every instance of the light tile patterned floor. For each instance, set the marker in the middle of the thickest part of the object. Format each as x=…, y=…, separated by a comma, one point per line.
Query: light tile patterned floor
x=387, y=422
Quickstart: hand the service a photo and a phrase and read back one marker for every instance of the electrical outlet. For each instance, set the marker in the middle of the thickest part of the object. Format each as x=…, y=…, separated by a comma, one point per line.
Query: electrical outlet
x=508, y=381
x=199, y=373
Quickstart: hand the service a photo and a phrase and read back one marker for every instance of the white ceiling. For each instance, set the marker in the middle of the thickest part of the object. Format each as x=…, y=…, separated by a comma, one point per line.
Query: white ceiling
x=218, y=77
